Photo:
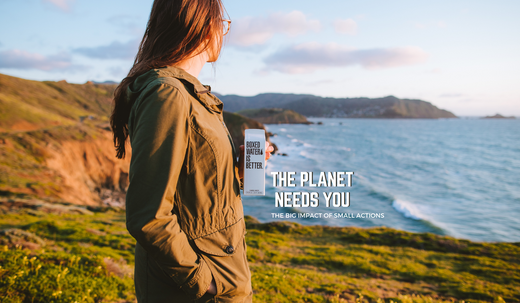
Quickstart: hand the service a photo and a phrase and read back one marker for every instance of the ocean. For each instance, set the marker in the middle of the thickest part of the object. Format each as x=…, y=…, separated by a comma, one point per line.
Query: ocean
x=456, y=177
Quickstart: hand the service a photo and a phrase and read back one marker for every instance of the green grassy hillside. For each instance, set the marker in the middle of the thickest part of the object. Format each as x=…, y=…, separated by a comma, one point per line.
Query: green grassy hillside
x=53, y=253
x=30, y=105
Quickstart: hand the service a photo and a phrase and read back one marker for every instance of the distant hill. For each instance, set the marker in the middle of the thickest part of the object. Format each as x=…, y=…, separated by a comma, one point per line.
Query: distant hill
x=499, y=116
x=105, y=82
x=274, y=116
x=313, y=106
x=234, y=103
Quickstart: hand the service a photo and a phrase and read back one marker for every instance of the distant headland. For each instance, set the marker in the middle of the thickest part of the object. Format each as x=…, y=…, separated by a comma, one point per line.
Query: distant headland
x=498, y=116
x=314, y=106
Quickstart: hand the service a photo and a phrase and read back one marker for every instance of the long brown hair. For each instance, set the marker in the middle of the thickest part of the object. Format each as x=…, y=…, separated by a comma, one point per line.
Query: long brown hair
x=177, y=30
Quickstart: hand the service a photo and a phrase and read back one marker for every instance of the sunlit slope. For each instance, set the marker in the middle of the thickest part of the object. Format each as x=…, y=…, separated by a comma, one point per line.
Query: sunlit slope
x=274, y=116
x=29, y=105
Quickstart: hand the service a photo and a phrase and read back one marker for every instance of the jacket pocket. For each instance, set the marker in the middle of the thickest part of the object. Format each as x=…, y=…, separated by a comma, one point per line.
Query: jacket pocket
x=224, y=242
x=225, y=253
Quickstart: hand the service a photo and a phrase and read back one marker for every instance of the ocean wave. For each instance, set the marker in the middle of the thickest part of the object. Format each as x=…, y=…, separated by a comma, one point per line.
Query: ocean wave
x=414, y=212
x=408, y=210
x=305, y=155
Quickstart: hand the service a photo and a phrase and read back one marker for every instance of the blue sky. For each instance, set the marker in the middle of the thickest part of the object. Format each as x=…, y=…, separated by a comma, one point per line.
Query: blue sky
x=463, y=56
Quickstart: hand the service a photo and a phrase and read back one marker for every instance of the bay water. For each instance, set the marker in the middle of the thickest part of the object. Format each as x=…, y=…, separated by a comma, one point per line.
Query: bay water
x=457, y=177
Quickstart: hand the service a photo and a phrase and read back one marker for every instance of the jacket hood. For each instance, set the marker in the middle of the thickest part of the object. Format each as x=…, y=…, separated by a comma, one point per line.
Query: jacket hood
x=203, y=92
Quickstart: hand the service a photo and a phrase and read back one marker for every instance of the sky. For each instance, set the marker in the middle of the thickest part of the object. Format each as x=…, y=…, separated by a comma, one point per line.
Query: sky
x=462, y=56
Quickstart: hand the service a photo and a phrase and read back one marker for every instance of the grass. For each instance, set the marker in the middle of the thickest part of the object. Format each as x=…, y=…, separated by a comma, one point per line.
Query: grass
x=41, y=276
x=45, y=257
x=83, y=258
x=382, y=262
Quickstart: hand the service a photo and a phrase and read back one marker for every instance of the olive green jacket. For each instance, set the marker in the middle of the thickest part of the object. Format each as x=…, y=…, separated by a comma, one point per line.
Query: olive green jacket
x=183, y=204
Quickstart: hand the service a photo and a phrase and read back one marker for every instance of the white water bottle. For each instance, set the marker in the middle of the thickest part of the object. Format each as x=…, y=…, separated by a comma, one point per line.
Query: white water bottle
x=254, y=162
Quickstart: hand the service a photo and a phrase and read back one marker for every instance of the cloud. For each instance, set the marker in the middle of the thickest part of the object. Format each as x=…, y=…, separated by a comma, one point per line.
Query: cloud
x=114, y=50
x=308, y=57
x=127, y=23
x=347, y=26
x=64, y=5
x=251, y=31
x=19, y=59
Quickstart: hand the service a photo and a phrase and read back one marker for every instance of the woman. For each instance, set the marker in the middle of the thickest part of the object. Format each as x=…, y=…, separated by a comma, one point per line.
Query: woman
x=183, y=204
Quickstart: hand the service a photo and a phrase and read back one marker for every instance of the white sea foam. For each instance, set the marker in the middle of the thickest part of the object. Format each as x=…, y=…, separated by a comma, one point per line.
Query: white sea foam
x=408, y=209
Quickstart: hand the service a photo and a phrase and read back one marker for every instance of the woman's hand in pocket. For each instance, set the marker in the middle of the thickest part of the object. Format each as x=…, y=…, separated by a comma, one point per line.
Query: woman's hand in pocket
x=212, y=290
